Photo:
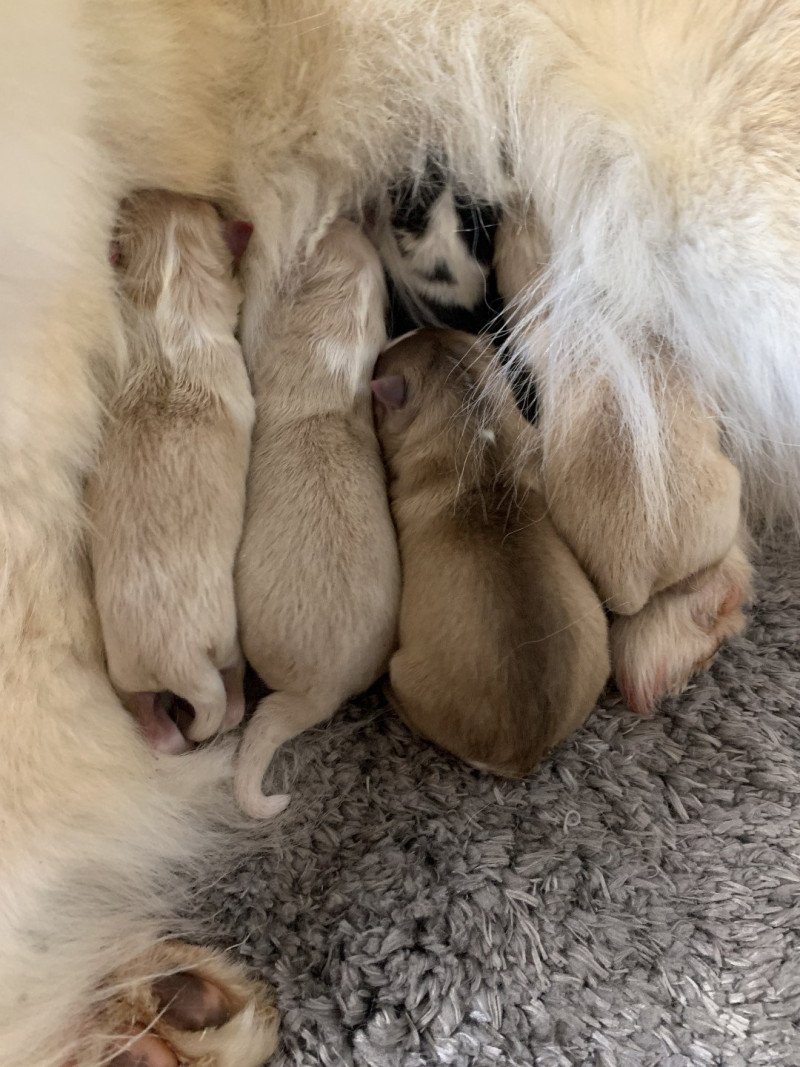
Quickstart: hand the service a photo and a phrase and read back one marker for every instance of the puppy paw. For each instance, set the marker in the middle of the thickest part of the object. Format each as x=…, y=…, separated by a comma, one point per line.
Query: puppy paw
x=679, y=632
x=184, y=1006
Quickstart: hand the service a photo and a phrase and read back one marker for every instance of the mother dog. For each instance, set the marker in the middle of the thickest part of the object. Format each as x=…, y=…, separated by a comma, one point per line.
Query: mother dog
x=657, y=146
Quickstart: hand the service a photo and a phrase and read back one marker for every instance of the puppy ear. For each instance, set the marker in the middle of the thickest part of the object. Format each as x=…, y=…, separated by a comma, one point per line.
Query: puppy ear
x=391, y=391
x=236, y=234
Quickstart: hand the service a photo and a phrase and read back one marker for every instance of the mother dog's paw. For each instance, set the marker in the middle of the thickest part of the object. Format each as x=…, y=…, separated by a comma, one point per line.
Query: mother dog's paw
x=184, y=1006
x=679, y=632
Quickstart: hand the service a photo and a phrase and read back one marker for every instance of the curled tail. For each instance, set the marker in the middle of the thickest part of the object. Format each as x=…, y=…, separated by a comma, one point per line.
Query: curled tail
x=204, y=688
x=278, y=718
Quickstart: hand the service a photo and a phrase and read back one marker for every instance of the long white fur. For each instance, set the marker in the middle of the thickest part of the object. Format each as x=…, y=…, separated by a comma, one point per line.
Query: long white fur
x=658, y=145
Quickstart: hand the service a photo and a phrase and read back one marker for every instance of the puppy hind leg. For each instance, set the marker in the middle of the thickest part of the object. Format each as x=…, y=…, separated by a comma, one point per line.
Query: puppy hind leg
x=233, y=680
x=278, y=718
x=201, y=686
x=198, y=702
x=680, y=631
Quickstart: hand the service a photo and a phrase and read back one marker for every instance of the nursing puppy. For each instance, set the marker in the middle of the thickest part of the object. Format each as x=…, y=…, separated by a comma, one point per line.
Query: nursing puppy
x=317, y=579
x=669, y=205
x=676, y=578
x=677, y=589
x=167, y=499
x=503, y=645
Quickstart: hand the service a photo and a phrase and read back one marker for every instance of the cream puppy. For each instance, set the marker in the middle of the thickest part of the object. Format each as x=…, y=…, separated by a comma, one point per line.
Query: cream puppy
x=657, y=142
x=676, y=578
x=502, y=640
x=317, y=579
x=167, y=499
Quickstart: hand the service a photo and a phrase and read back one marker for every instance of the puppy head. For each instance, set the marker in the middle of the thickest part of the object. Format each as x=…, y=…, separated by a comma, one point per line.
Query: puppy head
x=425, y=385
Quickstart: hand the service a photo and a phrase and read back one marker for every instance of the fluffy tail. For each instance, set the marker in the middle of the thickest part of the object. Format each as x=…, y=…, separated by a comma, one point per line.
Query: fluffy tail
x=278, y=718
x=668, y=229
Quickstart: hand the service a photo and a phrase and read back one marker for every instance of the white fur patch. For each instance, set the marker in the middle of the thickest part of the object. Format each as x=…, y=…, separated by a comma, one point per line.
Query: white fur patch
x=402, y=337
x=442, y=244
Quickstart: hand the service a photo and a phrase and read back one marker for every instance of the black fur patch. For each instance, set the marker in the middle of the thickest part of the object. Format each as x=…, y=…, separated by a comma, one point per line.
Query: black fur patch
x=440, y=273
x=412, y=202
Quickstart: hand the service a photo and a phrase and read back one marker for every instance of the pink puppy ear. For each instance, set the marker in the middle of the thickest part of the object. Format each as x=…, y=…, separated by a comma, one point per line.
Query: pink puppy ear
x=237, y=233
x=390, y=391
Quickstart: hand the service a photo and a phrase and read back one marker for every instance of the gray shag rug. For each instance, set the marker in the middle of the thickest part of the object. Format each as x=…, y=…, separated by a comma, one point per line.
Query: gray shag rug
x=635, y=902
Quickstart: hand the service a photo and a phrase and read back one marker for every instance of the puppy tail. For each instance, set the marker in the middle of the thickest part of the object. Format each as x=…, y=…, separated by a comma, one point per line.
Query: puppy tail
x=205, y=691
x=278, y=718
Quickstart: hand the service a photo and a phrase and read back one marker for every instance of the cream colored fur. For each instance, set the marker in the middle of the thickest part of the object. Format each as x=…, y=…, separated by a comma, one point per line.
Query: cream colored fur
x=317, y=578
x=245, y=1014
x=679, y=631
x=589, y=469
x=658, y=567
x=594, y=499
x=166, y=501
x=659, y=146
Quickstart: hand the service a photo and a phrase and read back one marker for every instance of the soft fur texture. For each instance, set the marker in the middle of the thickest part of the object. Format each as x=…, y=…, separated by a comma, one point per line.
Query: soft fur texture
x=503, y=645
x=658, y=146
x=437, y=253
x=678, y=577
x=680, y=630
x=191, y=1005
x=589, y=470
x=317, y=578
x=166, y=502
x=632, y=903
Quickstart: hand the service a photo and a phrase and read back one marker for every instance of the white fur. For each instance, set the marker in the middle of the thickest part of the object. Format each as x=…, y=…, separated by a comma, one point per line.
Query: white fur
x=655, y=145
x=99, y=839
x=411, y=259
x=658, y=144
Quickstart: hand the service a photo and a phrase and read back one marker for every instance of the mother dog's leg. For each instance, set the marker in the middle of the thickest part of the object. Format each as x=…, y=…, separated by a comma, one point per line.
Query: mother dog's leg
x=97, y=836
x=682, y=574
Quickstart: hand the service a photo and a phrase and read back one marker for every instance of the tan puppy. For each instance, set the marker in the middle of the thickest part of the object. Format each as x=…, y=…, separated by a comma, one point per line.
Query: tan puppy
x=503, y=642
x=677, y=576
x=318, y=574
x=669, y=204
x=678, y=589
x=167, y=499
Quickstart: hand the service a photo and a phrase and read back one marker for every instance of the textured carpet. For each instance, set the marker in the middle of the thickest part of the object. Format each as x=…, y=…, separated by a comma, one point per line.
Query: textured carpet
x=635, y=902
